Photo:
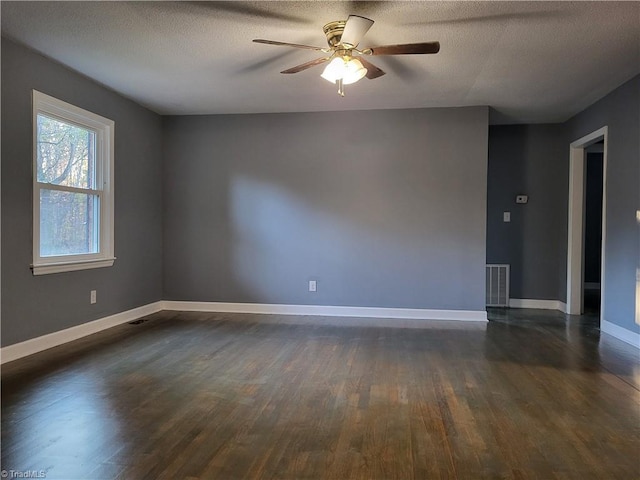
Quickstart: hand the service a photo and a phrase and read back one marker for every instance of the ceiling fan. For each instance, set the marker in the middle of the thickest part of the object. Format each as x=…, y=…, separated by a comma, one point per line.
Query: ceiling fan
x=346, y=62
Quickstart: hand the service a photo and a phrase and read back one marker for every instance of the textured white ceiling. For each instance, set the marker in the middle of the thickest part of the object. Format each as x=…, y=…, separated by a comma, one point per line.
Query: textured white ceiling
x=530, y=61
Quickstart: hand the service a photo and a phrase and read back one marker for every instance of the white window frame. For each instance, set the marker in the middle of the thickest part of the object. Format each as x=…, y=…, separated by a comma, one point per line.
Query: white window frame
x=104, y=134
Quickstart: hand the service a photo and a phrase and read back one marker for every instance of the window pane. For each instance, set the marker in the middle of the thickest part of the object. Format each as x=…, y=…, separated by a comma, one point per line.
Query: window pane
x=66, y=153
x=68, y=223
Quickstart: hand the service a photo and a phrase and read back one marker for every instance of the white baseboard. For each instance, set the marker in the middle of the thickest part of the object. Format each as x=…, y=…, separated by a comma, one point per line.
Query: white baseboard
x=35, y=345
x=620, y=333
x=38, y=344
x=328, y=311
x=538, y=304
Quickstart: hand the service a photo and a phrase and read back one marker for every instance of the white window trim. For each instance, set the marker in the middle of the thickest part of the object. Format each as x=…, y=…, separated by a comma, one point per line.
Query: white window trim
x=104, y=129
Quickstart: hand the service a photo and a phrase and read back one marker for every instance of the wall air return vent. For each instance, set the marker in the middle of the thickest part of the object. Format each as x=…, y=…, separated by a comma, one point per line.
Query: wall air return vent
x=497, y=285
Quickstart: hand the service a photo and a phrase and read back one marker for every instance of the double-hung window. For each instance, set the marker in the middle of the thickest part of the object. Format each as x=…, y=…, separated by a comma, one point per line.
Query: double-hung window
x=72, y=187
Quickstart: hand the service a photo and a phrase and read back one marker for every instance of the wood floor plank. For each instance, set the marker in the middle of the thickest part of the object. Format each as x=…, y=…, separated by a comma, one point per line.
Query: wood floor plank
x=530, y=395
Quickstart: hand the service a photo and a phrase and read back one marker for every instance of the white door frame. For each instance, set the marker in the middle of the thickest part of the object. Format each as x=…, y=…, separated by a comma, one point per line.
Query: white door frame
x=575, y=263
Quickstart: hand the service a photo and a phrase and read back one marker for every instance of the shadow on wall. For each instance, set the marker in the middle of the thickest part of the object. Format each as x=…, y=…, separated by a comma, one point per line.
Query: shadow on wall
x=506, y=179
x=530, y=160
x=361, y=247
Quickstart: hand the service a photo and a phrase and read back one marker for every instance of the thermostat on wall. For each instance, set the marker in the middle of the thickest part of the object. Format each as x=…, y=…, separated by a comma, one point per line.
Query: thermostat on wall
x=522, y=198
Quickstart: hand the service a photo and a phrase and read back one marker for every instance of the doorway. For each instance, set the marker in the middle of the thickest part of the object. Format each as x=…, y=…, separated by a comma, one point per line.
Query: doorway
x=592, y=252
x=576, y=228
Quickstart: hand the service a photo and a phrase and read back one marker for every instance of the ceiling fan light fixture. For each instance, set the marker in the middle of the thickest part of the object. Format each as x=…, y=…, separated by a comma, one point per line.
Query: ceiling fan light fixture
x=349, y=70
x=354, y=71
x=334, y=71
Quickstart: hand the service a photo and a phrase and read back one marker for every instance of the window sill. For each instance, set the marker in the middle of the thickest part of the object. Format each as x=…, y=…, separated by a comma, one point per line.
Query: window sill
x=45, y=269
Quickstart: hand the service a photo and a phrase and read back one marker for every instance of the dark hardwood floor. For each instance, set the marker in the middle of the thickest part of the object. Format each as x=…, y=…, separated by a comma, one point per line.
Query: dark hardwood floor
x=531, y=394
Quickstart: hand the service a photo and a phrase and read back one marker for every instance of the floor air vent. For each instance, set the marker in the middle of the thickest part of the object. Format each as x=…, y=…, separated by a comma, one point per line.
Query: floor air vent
x=139, y=321
x=497, y=285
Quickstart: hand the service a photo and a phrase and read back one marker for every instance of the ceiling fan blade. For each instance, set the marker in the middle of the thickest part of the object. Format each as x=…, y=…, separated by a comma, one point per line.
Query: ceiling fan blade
x=406, y=49
x=372, y=70
x=285, y=44
x=500, y=17
x=304, y=66
x=355, y=29
x=245, y=9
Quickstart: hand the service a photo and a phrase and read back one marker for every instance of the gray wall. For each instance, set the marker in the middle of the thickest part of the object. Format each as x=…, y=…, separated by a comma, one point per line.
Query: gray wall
x=382, y=208
x=34, y=306
x=530, y=160
x=620, y=111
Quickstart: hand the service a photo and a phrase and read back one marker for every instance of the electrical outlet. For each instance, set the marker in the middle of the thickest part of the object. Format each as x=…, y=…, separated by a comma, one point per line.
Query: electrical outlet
x=93, y=296
x=312, y=286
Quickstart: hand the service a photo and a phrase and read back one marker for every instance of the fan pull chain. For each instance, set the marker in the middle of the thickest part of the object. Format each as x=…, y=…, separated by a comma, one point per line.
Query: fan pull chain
x=340, y=84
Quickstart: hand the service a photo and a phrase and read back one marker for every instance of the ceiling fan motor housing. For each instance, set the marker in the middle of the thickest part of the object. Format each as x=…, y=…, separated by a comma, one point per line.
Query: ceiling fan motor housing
x=333, y=31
